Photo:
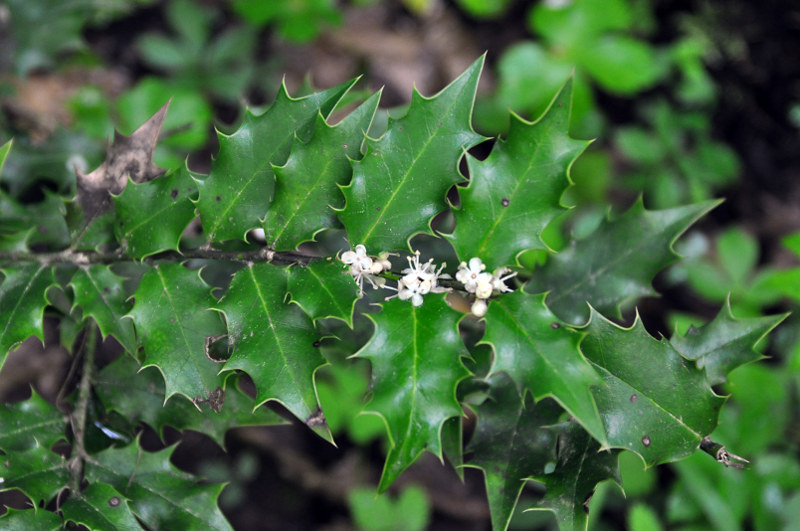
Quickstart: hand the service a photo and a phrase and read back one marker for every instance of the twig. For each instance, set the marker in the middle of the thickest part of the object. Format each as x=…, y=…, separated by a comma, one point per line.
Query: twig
x=721, y=454
x=78, y=417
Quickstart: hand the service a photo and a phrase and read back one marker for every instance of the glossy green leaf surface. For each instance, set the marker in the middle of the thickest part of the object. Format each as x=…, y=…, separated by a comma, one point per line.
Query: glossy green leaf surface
x=139, y=396
x=416, y=364
x=307, y=186
x=153, y=215
x=725, y=343
x=514, y=193
x=22, y=303
x=100, y=508
x=172, y=317
x=98, y=292
x=614, y=264
x=401, y=182
x=580, y=467
x=26, y=424
x=273, y=341
x=324, y=289
x=511, y=444
x=540, y=353
x=162, y=496
x=37, y=472
x=31, y=520
x=236, y=194
x=653, y=402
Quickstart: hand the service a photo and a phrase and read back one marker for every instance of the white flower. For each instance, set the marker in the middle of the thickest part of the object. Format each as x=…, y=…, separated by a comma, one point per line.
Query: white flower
x=358, y=259
x=484, y=286
x=499, y=281
x=468, y=274
x=418, y=280
x=363, y=267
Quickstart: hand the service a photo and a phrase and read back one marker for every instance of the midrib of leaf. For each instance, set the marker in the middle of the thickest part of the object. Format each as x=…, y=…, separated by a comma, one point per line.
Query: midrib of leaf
x=406, y=176
x=265, y=307
x=547, y=360
x=19, y=301
x=305, y=198
x=180, y=322
x=96, y=287
x=31, y=427
x=575, y=483
x=328, y=291
x=644, y=393
x=503, y=211
x=153, y=216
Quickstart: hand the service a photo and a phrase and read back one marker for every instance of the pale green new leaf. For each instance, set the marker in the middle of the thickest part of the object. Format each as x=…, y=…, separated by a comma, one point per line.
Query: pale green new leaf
x=38, y=472
x=151, y=216
x=725, y=343
x=416, y=365
x=236, y=194
x=173, y=320
x=614, y=264
x=542, y=354
x=654, y=401
x=307, y=186
x=511, y=443
x=514, y=193
x=581, y=466
x=273, y=341
x=159, y=494
x=99, y=293
x=138, y=395
x=324, y=289
x=22, y=302
x=402, y=181
x=29, y=423
x=100, y=508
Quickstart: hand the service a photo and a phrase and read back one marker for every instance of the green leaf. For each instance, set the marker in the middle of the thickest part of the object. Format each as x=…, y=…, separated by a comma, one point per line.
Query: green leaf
x=273, y=341
x=173, y=320
x=416, y=365
x=31, y=520
x=515, y=192
x=26, y=424
x=138, y=395
x=581, y=466
x=99, y=293
x=153, y=215
x=653, y=402
x=510, y=444
x=402, y=181
x=323, y=289
x=22, y=302
x=621, y=64
x=39, y=473
x=4, y=149
x=725, y=343
x=100, y=507
x=43, y=221
x=541, y=354
x=614, y=264
x=236, y=194
x=307, y=186
x=410, y=512
x=160, y=495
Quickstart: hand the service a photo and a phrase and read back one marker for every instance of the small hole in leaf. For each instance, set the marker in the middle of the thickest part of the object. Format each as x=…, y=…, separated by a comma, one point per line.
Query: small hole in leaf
x=378, y=208
x=505, y=202
x=555, y=326
x=174, y=193
x=646, y=441
x=634, y=397
x=219, y=198
x=317, y=344
x=114, y=501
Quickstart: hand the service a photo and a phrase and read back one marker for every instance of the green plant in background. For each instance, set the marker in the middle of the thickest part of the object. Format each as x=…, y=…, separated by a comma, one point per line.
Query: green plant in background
x=559, y=390
x=409, y=512
x=676, y=160
x=295, y=20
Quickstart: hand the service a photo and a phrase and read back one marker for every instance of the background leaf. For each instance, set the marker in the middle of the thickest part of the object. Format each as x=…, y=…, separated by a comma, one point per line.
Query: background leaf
x=173, y=319
x=37, y=472
x=99, y=293
x=416, y=364
x=401, y=183
x=100, y=507
x=514, y=193
x=31, y=520
x=324, y=289
x=29, y=423
x=22, y=302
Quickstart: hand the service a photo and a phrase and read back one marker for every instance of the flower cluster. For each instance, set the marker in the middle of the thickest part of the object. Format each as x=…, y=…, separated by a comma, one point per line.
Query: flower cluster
x=364, y=267
x=476, y=280
x=421, y=278
x=418, y=280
